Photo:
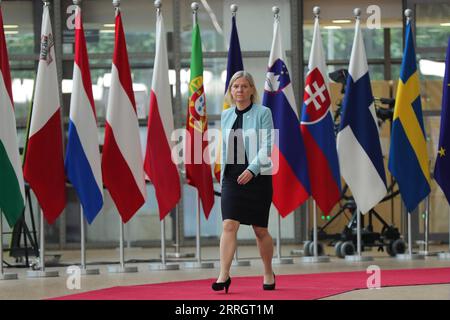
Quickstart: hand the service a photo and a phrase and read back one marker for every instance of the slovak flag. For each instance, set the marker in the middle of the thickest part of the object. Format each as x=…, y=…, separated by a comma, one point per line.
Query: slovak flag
x=290, y=181
x=44, y=159
x=358, y=140
x=318, y=130
x=83, y=166
x=122, y=163
x=158, y=164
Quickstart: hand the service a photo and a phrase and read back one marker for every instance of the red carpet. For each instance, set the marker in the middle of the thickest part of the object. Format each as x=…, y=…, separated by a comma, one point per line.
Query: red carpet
x=289, y=287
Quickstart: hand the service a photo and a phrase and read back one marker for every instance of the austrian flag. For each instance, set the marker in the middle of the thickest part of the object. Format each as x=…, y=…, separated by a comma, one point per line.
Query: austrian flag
x=122, y=163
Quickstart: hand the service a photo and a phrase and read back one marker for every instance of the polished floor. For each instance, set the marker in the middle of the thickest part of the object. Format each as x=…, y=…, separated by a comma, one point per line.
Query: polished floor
x=43, y=288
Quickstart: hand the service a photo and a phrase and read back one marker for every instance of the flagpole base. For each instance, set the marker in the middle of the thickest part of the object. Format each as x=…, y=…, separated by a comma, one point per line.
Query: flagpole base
x=42, y=274
x=85, y=271
x=444, y=256
x=241, y=263
x=358, y=258
x=282, y=261
x=318, y=259
x=120, y=269
x=198, y=265
x=297, y=252
x=8, y=276
x=178, y=255
x=428, y=253
x=163, y=266
x=408, y=257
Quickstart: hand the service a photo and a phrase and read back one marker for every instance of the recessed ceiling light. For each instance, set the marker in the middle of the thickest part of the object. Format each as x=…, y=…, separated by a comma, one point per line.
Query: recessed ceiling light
x=10, y=26
x=107, y=31
x=11, y=32
x=342, y=21
x=109, y=25
x=332, y=27
x=446, y=24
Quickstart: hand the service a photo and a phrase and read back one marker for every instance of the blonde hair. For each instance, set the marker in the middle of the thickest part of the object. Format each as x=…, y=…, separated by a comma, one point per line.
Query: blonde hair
x=242, y=74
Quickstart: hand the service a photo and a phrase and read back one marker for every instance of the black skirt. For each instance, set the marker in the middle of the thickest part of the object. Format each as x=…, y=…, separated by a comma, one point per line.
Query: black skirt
x=249, y=203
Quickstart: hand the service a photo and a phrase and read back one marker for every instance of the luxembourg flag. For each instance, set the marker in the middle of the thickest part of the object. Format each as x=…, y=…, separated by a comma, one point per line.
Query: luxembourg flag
x=290, y=183
x=358, y=140
x=82, y=155
x=122, y=163
x=44, y=159
x=12, y=194
x=158, y=162
x=318, y=130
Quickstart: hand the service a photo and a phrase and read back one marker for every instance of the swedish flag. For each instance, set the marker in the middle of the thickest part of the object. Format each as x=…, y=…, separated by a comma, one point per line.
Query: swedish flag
x=408, y=158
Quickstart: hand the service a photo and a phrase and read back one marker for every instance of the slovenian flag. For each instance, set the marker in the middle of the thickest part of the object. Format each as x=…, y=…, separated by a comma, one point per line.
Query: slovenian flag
x=158, y=163
x=44, y=159
x=290, y=181
x=122, y=163
x=12, y=194
x=358, y=140
x=83, y=166
x=318, y=130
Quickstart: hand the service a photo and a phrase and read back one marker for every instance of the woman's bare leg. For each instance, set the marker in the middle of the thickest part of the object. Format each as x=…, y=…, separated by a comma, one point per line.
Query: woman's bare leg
x=265, y=244
x=228, y=243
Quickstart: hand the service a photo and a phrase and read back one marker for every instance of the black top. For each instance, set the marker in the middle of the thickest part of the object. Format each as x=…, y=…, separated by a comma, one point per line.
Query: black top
x=237, y=160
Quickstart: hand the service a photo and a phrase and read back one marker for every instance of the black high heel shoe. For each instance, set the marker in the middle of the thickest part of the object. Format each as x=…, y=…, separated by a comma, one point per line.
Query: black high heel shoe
x=270, y=286
x=218, y=286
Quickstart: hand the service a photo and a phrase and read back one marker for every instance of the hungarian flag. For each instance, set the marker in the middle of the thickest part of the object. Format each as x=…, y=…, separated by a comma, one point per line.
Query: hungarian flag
x=122, y=163
x=234, y=65
x=318, y=130
x=198, y=169
x=82, y=155
x=44, y=159
x=158, y=160
x=12, y=195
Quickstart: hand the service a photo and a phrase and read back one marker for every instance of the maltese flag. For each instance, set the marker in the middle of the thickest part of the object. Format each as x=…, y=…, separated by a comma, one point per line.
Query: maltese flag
x=44, y=159
x=122, y=163
x=83, y=166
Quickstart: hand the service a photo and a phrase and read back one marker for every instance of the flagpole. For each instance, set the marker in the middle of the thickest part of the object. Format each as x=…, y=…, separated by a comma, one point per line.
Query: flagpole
x=315, y=258
x=358, y=257
x=84, y=269
x=409, y=256
x=236, y=262
x=163, y=265
x=426, y=229
x=4, y=276
x=177, y=254
x=42, y=273
x=446, y=255
x=198, y=264
x=278, y=259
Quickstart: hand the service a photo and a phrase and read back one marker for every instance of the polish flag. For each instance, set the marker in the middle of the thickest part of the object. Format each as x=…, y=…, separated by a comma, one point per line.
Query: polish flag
x=122, y=163
x=44, y=160
x=158, y=161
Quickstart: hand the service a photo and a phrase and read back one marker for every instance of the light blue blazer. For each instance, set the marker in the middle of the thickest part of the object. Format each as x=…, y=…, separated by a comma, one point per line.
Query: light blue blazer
x=257, y=130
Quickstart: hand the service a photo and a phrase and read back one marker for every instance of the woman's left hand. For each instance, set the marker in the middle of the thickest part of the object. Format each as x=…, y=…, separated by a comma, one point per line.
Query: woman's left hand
x=245, y=177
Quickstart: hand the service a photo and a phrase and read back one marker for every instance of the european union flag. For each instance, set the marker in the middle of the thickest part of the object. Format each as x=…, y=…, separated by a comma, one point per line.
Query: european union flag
x=442, y=167
x=408, y=158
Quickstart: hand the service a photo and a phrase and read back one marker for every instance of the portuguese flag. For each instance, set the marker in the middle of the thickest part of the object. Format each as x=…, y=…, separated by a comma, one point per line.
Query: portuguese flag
x=198, y=168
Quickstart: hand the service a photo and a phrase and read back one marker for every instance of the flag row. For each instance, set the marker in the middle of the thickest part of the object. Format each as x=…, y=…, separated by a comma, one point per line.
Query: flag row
x=311, y=157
